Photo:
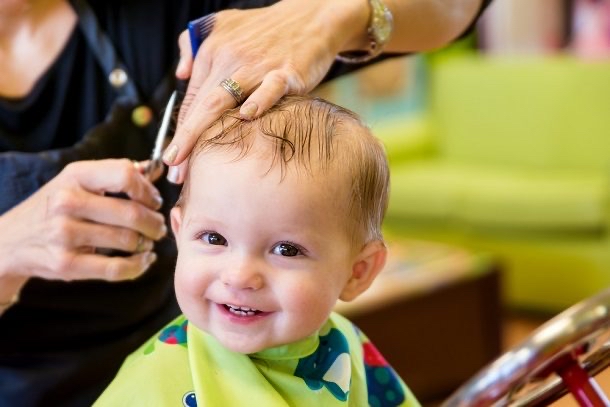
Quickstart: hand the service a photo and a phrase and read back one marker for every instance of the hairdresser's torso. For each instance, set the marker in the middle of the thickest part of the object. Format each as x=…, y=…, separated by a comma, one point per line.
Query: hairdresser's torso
x=68, y=338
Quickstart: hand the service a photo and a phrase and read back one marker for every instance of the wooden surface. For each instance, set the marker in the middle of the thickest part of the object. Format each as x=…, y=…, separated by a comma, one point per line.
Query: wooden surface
x=434, y=313
x=413, y=268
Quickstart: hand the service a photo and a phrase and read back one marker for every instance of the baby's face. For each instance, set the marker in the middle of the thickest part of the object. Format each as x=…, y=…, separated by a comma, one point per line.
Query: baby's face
x=262, y=260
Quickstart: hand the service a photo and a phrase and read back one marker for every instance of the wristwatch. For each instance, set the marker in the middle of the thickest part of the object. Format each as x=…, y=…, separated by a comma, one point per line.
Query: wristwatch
x=379, y=31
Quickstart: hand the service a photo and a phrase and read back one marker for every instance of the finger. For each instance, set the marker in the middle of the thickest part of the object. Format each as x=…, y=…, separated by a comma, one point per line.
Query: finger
x=115, y=176
x=86, y=234
x=185, y=64
x=199, y=74
x=155, y=174
x=206, y=108
x=185, y=106
x=85, y=266
x=177, y=173
x=109, y=211
x=148, y=170
x=275, y=85
x=128, y=214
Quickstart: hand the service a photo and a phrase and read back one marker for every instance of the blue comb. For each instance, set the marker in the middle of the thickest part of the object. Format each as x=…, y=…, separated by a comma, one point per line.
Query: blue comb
x=199, y=29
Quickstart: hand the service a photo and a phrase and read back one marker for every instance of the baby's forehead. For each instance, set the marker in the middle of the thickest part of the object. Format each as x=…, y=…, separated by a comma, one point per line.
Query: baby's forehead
x=256, y=168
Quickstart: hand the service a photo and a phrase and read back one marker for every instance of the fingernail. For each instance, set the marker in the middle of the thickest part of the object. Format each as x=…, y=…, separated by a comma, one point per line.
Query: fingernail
x=169, y=156
x=146, y=246
x=180, y=66
x=163, y=230
x=173, y=173
x=158, y=200
x=248, y=110
x=150, y=258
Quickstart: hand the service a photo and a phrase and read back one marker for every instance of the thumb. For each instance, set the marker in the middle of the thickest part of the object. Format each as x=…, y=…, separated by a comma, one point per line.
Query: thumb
x=185, y=64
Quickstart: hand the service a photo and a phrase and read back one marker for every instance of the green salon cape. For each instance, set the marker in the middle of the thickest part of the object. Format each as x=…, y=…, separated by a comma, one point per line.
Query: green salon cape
x=184, y=366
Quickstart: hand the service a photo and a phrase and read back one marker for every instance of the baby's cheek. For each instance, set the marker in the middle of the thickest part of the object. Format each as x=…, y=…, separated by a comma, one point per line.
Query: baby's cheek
x=190, y=279
x=191, y=287
x=314, y=301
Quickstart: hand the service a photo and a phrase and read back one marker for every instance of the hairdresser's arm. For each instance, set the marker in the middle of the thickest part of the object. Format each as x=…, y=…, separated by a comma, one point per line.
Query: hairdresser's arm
x=52, y=234
x=288, y=48
x=423, y=25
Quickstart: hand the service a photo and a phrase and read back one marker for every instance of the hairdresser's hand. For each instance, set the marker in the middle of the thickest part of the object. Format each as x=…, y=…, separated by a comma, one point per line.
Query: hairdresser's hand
x=54, y=233
x=286, y=48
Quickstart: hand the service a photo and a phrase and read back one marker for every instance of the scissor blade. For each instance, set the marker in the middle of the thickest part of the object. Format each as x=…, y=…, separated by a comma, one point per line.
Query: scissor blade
x=155, y=159
x=162, y=134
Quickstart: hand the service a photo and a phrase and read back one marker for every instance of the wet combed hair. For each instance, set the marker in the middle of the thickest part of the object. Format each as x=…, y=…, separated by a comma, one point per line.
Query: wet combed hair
x=322, y=138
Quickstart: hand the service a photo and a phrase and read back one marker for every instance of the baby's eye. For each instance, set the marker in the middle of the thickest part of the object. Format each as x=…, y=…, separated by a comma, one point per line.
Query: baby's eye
x=213, y=238
x=287, y=249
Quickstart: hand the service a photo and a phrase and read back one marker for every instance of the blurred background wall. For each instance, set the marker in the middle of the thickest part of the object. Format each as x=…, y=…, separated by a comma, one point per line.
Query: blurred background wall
x=500, y=144
x=499, y=215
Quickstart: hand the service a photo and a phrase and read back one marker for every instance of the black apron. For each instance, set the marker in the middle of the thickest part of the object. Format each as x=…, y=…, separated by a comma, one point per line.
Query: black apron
x=88, y=326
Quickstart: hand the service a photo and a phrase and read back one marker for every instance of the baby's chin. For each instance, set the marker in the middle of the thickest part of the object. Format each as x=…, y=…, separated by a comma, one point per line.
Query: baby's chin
x=250, y=345
x=243, y=346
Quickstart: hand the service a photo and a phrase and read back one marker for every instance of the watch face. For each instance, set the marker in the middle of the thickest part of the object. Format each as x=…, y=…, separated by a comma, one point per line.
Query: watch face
x=381, y=22
x=379, y=31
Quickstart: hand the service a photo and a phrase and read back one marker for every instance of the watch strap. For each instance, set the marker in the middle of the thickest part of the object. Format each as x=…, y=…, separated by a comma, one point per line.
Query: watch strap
x=379, y=30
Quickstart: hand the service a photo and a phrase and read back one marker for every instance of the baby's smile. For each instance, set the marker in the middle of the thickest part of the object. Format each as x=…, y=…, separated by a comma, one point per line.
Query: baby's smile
x=242, y=311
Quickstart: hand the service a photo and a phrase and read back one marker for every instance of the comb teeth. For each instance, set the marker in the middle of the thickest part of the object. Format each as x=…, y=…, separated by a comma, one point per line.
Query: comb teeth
x=199, y=29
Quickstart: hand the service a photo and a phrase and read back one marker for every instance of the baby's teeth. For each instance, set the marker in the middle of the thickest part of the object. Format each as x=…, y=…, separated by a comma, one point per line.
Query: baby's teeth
x=243, y=311
x=246, y=309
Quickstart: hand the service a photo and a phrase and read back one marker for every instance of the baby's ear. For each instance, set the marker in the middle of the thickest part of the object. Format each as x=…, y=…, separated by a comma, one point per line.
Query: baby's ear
x=175, y=217
x=369, y=262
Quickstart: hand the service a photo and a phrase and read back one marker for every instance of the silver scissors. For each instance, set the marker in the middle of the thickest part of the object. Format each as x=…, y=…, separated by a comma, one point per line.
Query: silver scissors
x=198, y=31
x=151, y=167
x=156, y=161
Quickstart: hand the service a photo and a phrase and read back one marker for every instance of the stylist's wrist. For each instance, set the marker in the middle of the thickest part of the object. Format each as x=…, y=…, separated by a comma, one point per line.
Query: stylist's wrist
x=342, y=24
x=11, y=282
x=352, y=21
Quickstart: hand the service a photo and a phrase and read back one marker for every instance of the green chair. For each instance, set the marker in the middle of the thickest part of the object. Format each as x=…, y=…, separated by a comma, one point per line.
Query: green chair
x=512, y=158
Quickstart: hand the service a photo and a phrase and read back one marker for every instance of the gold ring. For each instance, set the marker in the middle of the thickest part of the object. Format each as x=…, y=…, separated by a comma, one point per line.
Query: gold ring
x=137, y=165
x=233, y=88
x=140, y=245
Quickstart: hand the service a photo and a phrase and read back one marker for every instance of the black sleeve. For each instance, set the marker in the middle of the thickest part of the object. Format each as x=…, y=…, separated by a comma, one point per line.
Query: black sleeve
x=470, y=29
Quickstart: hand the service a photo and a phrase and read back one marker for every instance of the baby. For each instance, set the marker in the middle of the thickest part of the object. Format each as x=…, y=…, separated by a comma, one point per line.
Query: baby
x=278, y=218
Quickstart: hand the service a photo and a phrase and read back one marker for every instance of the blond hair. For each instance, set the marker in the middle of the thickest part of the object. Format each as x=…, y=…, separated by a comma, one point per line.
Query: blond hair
x=322, y=138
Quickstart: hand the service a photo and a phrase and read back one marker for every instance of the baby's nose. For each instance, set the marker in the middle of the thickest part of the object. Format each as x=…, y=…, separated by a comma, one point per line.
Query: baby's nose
x=245, y=275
